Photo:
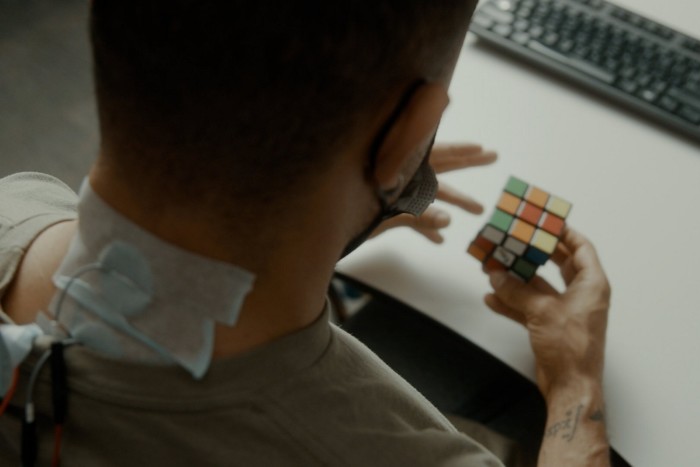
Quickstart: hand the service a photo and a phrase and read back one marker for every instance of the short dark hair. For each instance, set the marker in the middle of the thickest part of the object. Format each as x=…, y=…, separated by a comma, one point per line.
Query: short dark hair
x=245, y=97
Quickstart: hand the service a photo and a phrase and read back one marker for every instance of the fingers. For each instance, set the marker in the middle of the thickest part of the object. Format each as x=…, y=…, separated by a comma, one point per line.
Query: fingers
x=493, y=302
x=432, y=218
x=433, y=235
x=562, y=258
x=582, y=249
x=528, y=299
x=452, y=196
x=561, y=254
x=445, y=158
x=583, y=259
x=428, y=224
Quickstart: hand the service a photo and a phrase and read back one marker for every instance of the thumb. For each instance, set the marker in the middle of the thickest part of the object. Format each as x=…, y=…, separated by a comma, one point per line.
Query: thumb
x=529, y=298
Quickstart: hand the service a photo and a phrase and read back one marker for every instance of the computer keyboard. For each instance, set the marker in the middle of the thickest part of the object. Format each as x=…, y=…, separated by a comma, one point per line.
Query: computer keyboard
x=633, y=60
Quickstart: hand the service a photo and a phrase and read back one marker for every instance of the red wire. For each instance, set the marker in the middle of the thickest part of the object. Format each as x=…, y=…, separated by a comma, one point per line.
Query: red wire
x=10, y=392
x=56, y=459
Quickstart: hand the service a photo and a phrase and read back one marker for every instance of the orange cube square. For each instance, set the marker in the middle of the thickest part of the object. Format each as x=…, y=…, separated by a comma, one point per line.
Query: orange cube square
x=522, y=231
x=537, y=197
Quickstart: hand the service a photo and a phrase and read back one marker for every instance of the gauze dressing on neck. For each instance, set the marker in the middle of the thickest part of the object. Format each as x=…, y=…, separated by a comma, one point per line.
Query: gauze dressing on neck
x=129, y=295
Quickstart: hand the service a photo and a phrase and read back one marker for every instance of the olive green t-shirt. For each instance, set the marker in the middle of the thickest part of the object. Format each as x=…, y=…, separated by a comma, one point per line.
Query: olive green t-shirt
x=315, y=397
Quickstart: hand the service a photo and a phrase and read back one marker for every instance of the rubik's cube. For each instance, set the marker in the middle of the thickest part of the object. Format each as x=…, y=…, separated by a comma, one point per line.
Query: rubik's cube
x=523, y=231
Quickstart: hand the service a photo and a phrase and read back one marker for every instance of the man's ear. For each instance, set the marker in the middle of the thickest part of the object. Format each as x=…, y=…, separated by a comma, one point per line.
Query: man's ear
x=413, y=128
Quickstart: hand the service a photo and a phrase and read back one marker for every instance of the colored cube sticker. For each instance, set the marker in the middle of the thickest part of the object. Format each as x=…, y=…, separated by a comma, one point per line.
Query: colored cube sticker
x=523, y=232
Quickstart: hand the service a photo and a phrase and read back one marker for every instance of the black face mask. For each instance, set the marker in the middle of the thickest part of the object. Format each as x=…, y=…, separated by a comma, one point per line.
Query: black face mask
x=419, y=193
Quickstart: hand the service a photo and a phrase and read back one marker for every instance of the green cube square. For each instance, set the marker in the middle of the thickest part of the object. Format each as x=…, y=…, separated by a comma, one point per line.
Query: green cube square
x=516, y=187
x=501, y=220
x=524, y=269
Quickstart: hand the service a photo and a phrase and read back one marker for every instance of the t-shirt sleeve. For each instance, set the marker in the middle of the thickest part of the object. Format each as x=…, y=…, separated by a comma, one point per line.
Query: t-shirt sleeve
x=30, y=202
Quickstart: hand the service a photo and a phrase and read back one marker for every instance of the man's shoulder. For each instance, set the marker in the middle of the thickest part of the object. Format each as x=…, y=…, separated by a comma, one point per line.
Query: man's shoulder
x=38, y=191
x=350, y=405
x=30, y=203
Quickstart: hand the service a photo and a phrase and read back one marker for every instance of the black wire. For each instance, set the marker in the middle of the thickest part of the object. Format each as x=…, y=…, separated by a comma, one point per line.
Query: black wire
x=29, y=439
x=59, y=386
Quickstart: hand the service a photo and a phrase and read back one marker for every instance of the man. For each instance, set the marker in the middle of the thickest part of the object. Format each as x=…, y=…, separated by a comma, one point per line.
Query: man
x=245, y=147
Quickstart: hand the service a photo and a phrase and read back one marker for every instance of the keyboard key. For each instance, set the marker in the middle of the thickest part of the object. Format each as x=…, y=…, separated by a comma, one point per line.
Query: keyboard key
x=630, y=87
x=521, y=38
x=683, y=96
x=692, y=45
x=582, y=51
x=536, y=31
x=550, y=38
x=497, y=15
x=619, y=13
x=644, y=80
x=628, y=72
x=566, y=45
x=648, y=95
x=610, y=64
x=664, y=32
x=482, y=20
x=505, y=5
x=503, y=30
x=658, y=87
x=668, y=103
x=690, y=114
x=521, y=25
x=692, y=87
x=524, y=12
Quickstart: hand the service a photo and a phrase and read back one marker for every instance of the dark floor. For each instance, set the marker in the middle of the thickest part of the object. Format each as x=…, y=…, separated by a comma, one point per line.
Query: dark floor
x=47, y=115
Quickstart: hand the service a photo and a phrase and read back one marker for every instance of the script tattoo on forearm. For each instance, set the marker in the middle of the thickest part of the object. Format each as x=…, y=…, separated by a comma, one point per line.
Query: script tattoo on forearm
x=566, y=428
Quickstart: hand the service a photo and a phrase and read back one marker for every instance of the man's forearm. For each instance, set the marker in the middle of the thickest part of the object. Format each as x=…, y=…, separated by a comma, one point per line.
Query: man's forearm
x=575, y=433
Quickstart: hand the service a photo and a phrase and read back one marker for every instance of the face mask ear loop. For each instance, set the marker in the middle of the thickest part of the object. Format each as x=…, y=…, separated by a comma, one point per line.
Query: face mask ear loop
x=388, y=125
x=385, y=195
x=386, y=211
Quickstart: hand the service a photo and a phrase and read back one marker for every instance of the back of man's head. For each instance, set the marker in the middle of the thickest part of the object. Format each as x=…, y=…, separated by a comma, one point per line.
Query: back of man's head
x=250, y=99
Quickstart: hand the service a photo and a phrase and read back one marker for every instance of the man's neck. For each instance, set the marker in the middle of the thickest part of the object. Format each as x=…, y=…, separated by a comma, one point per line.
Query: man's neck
x=292, y=275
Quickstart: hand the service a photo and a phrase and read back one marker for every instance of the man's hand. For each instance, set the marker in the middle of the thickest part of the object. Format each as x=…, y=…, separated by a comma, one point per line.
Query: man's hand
x=567, y=330
x=567, y=334
x=444, y=158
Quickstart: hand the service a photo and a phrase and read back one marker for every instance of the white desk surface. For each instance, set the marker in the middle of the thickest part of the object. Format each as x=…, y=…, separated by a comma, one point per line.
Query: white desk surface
x=635, y=188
